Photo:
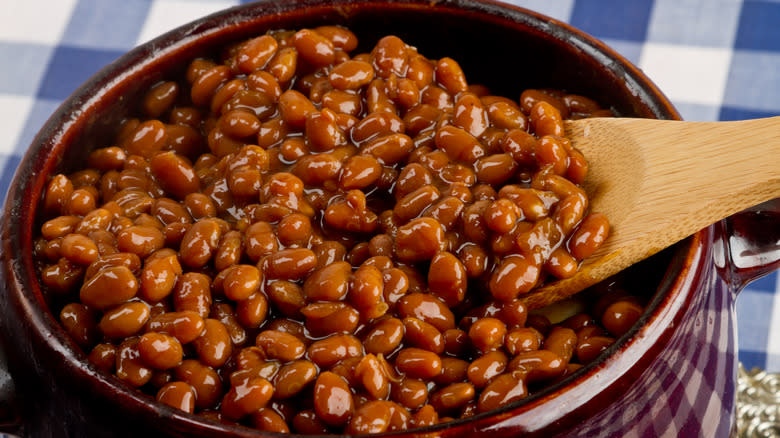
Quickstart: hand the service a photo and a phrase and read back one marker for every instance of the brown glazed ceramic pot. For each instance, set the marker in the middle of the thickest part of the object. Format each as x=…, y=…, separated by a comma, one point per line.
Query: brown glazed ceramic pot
x=674, y=374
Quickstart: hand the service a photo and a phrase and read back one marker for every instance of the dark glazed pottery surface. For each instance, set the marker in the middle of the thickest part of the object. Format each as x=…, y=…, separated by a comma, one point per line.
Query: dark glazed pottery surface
x=503, y=47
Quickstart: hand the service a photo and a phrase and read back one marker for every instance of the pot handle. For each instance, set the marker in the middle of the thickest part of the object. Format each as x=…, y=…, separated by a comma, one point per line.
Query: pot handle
x=751, y=243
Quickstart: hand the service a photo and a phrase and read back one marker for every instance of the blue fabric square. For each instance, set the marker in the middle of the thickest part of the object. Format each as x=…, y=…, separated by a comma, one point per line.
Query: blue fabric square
x=39, y=113
x=629, y=49
x=106, y=24
x=29, y=61
x=759, y=26
x=705, y=23
x=8, y=168
x=734, y=113
x=696, y=112
x=70, y=67
x=558, y=9
x=754, y=312
x=752, y=359
x=765, y=284
x=618, y=19
x=753, y=80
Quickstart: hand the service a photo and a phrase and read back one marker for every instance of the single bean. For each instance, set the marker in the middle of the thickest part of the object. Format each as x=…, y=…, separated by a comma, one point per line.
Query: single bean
x=425, y=416
x=419, y=239
x=515, y=275
x=366, y=292
x=372, y=377
x=470, y=114
x=313, y=47
x=384, y=337
x=129, y=366
x=179, y=395
x=79, y=249
x=390, y=56
x=291, y=264
x=423, y=335
x=160, y=351
x=159, y=275
x=330, y=283
x=372, y=417
x=286, y=296
x=293, y=377
x=503, y=390
x=428, y=308
x=326, y=352
x=620, y=316
x=256, y=53
x=453, y=396
x=522, y=339
x=561, y=341
x=589, y=236
x=326, y=318
x=450, y=75
x=266, y=419
x=591, y=347
x=214, y=345
x=307, y=422
x=333, y=400
x=280, y=345
x=109, y=287
x=186, y=325
x=148, y=138
x=252, y=312
x=483, y=369
x=418, y=363
x=459, y=144
x=124, y=320
x=538, y=365
x=79, y=322
x=204, y=381
x=245, y=398
x=452, y=370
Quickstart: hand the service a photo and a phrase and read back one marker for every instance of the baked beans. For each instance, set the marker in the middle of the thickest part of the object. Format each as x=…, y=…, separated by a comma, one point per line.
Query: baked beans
x=300, y=239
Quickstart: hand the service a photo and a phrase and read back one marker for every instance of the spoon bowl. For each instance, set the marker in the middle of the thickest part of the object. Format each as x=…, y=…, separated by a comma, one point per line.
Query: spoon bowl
x=659, y=181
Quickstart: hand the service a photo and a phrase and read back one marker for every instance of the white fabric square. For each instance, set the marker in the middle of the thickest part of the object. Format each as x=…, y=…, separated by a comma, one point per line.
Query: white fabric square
x=31, y=21
x=558, y=9
x=167, y=15
x=722, y=342
x=13, y=115
x=713, y=415
x=693, y=385
x=709, y=23
x=695, y=112
x=687, y=74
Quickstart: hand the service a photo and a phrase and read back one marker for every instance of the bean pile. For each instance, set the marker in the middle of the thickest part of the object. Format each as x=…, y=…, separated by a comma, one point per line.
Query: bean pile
x=296, y=239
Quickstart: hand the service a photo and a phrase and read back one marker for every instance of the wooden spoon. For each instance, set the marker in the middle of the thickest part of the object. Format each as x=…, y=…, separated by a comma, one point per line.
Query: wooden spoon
x=659, y=181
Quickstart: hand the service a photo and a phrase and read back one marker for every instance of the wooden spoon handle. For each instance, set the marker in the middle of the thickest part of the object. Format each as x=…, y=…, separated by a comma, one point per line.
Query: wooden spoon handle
x=695, y=172
x=660, y=181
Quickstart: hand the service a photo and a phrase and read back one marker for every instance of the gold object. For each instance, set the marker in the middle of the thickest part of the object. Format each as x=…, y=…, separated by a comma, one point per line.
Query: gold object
x=758, y=404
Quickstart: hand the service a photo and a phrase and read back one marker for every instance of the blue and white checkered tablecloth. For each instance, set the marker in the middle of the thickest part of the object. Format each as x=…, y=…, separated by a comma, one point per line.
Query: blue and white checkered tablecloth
x=715, y=59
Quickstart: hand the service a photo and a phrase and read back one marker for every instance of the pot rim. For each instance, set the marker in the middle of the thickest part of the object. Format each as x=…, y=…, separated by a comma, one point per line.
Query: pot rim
x=65, y=125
